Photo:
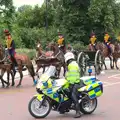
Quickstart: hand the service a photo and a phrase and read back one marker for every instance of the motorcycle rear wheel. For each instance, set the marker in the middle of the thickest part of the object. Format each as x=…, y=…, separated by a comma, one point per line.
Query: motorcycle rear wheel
x=88, y=106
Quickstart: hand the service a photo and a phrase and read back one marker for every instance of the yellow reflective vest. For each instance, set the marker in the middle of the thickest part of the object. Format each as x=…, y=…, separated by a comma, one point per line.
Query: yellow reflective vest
x=73, y=73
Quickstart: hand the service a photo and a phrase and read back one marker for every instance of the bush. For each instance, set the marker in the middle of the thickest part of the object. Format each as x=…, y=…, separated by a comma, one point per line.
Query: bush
x=79, y=47
x=30, y=52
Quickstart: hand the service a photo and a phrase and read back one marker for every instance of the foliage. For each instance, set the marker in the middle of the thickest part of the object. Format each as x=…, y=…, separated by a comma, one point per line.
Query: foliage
x=75, y=19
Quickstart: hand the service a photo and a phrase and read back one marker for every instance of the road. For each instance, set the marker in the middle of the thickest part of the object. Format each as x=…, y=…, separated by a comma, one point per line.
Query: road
x=14, y=101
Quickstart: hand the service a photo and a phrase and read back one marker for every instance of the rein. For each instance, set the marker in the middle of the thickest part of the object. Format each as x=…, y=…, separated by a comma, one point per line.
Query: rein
x=57, y=54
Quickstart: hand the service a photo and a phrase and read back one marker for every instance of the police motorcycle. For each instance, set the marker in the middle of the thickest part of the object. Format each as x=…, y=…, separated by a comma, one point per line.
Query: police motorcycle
x=53, y=94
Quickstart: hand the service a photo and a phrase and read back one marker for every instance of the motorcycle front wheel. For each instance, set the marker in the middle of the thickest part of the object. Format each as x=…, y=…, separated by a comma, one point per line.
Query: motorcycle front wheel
x=38, y=110
x=88, y=106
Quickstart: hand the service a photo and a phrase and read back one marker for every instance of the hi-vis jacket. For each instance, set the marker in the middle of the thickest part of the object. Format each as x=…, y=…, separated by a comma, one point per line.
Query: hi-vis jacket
x=73, y=73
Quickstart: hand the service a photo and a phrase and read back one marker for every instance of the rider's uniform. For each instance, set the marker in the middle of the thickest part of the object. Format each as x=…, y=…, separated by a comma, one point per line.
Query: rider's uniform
x=107, y=41
x=10, y=44
x=61, y=44
x=93, y=41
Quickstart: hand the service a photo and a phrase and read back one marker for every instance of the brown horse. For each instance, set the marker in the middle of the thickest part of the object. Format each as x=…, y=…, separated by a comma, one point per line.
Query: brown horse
x=22, y=60
x=57, y=53
x=116, y=54
x=41, y=54
x=104, y=50
x=5, y=67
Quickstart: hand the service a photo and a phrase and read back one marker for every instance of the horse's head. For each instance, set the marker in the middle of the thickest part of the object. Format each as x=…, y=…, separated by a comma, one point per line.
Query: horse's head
x=53, y=46
x=38, y=46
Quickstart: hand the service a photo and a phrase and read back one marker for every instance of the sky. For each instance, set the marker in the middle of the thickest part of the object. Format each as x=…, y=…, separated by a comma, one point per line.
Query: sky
x=18, y=3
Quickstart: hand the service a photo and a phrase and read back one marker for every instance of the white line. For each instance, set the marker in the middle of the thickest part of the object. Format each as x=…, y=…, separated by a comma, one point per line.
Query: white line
x=106, y=82
x=113, y=75
x=116, y=77
x=112, y=84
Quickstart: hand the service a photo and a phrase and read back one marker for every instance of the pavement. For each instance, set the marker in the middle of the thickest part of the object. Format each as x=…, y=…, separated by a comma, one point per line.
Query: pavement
x=14, y=101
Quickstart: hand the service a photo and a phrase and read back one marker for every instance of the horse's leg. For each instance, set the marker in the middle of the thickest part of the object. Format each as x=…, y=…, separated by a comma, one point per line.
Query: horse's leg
x=32, y=72
x=12, y=75
x=59, y=70
x=2, y=80
x=104, y=64
x=111, y=62
x=115, y=61
x=8, y=78
x=21, y=74
x=64, y=67
x=43, y=69
x=21, y=77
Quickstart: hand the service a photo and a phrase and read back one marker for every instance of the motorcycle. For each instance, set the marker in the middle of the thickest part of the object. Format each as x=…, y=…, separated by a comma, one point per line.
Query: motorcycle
x=54, y=94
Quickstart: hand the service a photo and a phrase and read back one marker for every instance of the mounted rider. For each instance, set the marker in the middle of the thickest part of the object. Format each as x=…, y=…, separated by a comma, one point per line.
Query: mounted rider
x=73, y=77
x=93, y=40
x=10, y=45
x=107, y=41
x=61, y=42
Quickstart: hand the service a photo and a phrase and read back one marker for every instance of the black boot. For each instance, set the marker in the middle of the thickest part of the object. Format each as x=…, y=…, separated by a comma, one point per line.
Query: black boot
x=78, y=114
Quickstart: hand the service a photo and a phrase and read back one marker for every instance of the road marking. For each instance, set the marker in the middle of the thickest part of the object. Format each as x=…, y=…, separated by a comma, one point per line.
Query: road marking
x=106, y=82
x=116, y=77
x=111, y=84
x=113, y=75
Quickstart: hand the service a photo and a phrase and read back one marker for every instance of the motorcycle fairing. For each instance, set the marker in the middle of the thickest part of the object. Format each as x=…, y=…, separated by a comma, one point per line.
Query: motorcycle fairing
x=39, y=96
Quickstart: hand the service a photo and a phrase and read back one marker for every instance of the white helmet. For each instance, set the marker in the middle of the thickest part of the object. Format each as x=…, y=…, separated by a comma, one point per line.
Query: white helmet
x=68, y=56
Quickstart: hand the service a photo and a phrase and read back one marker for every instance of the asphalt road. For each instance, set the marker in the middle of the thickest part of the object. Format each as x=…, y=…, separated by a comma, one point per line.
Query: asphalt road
x=14, y=101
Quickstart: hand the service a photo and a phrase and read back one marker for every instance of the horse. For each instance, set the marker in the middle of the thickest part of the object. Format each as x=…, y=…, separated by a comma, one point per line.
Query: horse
x=57, y=53
x=41, y=54
x=22, y=60
x=104, y=50
x=5, y=67
x=116, y=54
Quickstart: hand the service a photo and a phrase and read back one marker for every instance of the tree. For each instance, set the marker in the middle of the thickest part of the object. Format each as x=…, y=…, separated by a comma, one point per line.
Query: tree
x=7, y=9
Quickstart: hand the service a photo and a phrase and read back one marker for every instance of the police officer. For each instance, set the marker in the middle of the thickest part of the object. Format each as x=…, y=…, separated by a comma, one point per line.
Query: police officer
x=73, y=77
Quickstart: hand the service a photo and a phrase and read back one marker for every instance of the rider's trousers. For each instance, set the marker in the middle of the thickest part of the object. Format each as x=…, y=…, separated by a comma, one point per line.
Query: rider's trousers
x=74, y=94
